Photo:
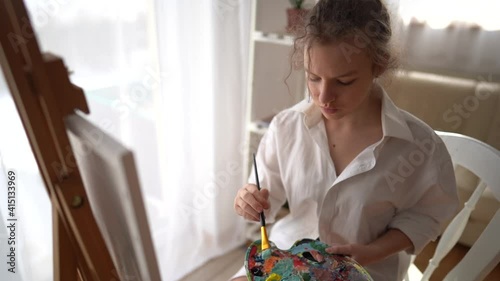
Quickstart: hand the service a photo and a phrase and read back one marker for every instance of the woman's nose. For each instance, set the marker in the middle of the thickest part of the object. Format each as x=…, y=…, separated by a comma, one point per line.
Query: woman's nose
x=327, y=93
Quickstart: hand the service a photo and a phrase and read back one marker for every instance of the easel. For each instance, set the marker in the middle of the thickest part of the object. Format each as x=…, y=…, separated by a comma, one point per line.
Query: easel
x=44, y=96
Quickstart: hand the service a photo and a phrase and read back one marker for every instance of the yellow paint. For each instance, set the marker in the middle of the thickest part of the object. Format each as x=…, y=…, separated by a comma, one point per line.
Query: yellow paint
x=273, y=277
x=264, y=240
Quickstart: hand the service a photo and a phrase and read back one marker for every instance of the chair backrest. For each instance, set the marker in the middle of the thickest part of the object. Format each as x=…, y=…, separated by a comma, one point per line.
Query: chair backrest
x=484, y=161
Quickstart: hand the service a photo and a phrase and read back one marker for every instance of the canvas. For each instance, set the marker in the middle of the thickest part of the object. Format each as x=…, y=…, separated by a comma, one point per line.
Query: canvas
x=111, y=182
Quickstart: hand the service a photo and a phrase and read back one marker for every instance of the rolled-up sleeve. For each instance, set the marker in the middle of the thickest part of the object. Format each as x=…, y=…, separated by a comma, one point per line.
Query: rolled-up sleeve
x=423, y=221
x=269, y=171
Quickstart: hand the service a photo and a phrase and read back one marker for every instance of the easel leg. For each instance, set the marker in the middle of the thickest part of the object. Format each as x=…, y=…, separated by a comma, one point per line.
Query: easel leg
x=65, y=264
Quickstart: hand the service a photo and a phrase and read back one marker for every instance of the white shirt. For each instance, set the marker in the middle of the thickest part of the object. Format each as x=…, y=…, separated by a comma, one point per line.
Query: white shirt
x=404, y=181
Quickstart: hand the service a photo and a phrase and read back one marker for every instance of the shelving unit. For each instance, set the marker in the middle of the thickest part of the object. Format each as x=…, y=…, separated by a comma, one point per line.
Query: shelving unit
x=269, y=66
x=274, y=38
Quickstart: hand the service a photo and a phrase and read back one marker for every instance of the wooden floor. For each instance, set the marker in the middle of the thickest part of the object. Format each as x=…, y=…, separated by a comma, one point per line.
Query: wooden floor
x=221, y=269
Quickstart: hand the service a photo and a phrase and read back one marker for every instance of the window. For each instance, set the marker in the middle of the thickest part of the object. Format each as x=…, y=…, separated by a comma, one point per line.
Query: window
x=442, y=13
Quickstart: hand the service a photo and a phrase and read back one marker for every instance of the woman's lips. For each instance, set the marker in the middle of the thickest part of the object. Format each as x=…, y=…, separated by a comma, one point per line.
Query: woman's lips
x=329, y=110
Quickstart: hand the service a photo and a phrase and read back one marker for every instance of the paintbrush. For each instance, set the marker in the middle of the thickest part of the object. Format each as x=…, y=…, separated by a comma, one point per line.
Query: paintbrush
x=263, y=232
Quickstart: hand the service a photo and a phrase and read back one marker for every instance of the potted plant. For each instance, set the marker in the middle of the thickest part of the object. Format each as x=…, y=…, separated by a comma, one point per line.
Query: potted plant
x=295, y=15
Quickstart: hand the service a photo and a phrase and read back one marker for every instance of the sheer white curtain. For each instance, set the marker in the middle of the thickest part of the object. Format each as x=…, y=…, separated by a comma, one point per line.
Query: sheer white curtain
x=203, y=51
x=456, y=37
x=167, y=78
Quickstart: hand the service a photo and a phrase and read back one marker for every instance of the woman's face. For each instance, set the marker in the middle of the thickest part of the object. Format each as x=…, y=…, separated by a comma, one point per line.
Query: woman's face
x=339, y=77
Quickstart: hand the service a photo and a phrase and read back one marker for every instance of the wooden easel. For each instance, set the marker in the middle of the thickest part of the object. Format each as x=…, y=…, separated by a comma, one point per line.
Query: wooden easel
x=44, y=96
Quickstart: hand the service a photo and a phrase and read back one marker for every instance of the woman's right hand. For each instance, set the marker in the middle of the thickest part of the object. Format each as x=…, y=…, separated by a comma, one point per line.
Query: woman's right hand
x=250, y=202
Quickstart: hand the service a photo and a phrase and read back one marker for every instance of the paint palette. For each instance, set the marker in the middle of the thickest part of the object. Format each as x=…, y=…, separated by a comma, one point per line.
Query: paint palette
x=306, y=260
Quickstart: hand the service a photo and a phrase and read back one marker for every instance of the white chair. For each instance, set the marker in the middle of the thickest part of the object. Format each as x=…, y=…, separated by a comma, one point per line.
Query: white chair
x=484, y=161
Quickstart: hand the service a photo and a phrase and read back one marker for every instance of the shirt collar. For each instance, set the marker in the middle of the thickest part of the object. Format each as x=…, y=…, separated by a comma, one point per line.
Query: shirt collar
x=393, y=120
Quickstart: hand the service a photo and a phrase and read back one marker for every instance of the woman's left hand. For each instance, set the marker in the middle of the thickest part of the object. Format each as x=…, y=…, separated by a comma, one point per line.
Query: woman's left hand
x=363, y=254
x=391, y=242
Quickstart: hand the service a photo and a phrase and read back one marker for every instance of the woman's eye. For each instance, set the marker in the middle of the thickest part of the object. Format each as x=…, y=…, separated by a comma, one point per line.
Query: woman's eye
x=314, y=78
x=345, y=83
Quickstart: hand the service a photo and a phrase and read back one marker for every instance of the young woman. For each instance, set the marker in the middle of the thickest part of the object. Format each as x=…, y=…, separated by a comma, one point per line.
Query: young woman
x=367, y=178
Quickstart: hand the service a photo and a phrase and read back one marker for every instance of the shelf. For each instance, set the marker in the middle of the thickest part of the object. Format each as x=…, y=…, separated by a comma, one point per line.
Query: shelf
x=258, y=127
x=269, y=66
x=273, y=37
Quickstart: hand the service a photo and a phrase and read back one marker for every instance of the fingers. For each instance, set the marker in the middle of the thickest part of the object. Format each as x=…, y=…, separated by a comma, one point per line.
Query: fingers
x=265, y=198
x=340, y=250
x=250, y=202
x=317, y=256
x=252, y=199
x=258, y=199
x=246, y=215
